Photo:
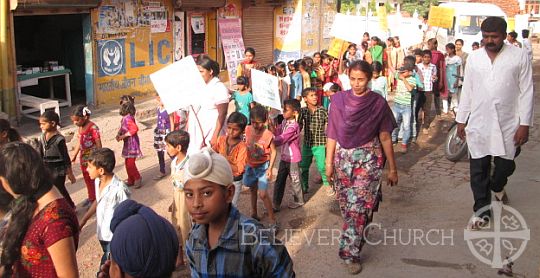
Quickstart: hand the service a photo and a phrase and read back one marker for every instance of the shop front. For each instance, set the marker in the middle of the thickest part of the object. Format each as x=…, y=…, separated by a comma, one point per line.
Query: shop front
x=50, y=38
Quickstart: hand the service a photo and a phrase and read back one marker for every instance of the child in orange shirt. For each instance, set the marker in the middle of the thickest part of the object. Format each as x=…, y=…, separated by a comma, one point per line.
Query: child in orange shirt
x=232, y=147
x=260, y=161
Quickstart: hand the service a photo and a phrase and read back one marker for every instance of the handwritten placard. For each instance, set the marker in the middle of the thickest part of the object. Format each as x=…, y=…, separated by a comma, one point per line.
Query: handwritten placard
x=265, y=89
x=179, y=84
x=336, y=47
x=441, y=17
x=348, y=28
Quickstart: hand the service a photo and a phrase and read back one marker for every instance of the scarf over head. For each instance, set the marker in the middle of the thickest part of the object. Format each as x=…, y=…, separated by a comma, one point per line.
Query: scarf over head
x=356, y=120
x=144, y=244
x=210, y=166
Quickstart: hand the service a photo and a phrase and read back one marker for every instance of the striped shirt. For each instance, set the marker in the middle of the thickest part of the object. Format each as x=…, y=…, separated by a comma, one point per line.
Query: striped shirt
x=403, y=95
x=244, y=249
x=427, y=75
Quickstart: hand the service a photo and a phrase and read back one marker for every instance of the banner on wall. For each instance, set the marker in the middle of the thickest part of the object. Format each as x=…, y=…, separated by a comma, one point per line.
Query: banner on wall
x=230, y=31
x=288, y=35
x=265, y=89
x=179, y=84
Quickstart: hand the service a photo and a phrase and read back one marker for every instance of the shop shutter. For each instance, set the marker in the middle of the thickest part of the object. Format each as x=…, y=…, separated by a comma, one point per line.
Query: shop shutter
x=258, y=31
x=198, y=4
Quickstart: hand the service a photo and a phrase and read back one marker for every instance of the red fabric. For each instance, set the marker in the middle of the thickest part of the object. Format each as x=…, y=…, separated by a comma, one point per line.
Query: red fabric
x=132, y=126
x=132, y=171
x=90, y=184
x=87, y=140
x=56, y=221
x=437, y=58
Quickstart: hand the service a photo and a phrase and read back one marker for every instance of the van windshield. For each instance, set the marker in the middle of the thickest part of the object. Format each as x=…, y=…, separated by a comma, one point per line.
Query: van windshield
x=470, y=24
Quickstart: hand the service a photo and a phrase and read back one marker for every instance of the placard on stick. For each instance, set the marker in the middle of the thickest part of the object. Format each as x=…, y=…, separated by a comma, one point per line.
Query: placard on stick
x=441, y=17
x=265, y=89
x=179, y=84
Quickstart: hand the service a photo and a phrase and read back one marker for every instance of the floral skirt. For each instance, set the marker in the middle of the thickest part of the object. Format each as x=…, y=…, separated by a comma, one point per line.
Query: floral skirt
x=357, y=175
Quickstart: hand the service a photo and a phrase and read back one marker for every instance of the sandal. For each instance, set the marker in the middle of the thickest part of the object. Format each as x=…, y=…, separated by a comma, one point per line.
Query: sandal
x=353, y=267
x=477, y=224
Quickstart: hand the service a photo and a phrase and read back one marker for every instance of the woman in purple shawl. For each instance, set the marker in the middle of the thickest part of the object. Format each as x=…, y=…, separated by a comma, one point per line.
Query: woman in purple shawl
x=359, y=143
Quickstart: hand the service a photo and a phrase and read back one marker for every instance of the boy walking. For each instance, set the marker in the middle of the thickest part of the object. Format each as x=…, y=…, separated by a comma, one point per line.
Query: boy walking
x=402, y=104
x=234, y=149
x=428, y=72
x=313, y=119
x=110, y=192
x=287, y=135
x=177, y=146
x=223, y=242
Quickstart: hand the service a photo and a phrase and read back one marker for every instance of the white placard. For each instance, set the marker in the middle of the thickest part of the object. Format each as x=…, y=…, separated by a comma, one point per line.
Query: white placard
x=265, y=89
x=348, y=27
x=179, y=84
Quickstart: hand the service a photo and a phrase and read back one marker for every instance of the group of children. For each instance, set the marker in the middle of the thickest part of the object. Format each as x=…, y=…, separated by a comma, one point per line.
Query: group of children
x=251, y=137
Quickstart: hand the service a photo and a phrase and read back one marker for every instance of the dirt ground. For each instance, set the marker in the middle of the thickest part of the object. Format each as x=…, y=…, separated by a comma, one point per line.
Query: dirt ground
x=433, y=193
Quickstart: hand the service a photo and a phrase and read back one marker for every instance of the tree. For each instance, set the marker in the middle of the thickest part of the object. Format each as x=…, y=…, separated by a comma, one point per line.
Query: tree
x=422, y=6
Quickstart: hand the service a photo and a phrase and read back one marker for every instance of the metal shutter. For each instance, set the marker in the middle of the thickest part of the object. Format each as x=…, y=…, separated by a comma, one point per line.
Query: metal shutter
x=258, y=31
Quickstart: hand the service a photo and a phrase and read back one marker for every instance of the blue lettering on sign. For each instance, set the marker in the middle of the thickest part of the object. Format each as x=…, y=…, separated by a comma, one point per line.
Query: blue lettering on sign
x=161, y=44
x=134, y=64
x=111, y=57
x=151, y=53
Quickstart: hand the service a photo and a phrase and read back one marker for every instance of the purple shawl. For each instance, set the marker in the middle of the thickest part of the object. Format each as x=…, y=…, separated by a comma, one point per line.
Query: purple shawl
x=355, y=120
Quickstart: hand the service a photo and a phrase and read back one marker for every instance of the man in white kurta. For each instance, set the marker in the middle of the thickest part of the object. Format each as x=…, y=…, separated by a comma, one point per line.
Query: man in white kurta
x=496, y=106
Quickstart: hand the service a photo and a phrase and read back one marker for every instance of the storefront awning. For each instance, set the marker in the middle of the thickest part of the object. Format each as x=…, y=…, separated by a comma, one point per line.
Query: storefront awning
x=199, y=5
x=48, y=4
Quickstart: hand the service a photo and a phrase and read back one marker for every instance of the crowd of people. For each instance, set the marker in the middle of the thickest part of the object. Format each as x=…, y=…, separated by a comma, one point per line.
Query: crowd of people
x=347, y=112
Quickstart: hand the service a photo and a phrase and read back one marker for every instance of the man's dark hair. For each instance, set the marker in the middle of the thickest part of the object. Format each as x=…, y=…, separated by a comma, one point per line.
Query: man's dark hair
x=103, y=158
x=513, y=34
x=494, y=24
x=417, y=52
x=525, y=33
x=178, y=138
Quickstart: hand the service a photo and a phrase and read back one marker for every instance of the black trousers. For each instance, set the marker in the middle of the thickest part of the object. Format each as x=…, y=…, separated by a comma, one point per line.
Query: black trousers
x=60, y=183
x=483, y=181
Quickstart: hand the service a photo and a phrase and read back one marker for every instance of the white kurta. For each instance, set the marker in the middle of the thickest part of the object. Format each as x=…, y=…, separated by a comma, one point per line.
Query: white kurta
x=496, y=99
x=216, y=93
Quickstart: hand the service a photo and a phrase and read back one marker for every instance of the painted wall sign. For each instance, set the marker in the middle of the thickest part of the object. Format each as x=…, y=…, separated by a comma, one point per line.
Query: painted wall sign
x=111, y=57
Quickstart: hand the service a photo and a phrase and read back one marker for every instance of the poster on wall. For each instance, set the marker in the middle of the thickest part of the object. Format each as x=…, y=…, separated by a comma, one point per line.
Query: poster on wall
x=154, y=14
x=230, y=31
x=265, y=89
x=117, y=16
x=178, y=34
x=179, y=84
x=197, y=24
x=288, y=23
x=111, y=57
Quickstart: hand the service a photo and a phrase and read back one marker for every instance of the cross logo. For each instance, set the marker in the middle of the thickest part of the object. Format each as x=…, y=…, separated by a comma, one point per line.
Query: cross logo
x=503, y=240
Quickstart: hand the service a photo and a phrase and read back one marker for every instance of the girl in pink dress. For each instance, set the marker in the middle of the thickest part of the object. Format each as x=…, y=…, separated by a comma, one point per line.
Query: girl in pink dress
x=132, y=147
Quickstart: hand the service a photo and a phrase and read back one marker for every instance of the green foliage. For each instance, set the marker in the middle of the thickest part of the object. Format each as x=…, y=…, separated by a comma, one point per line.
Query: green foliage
x=350, y=5
x=422, y=7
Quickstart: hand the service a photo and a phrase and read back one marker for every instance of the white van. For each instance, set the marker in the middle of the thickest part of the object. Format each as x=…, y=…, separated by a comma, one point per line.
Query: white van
x=467, y=20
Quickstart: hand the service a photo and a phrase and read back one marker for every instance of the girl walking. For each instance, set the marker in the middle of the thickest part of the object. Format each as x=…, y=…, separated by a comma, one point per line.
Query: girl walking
x=359, y=127
x=89, y=140
x=163, y=128
x=55, y=154
x=132, y=147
